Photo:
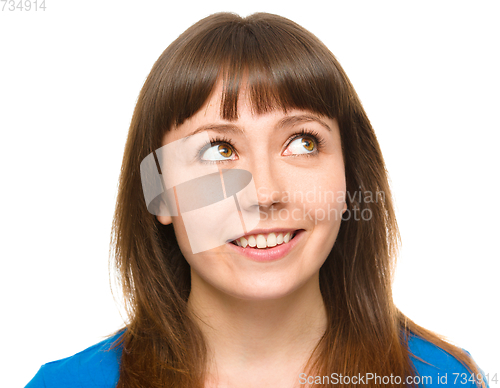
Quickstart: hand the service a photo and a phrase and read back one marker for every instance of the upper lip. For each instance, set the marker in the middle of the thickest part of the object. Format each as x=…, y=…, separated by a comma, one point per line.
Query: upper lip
x=267, y=231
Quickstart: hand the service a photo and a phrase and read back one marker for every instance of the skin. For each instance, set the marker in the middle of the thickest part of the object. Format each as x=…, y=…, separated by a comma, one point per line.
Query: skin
x=262, y=320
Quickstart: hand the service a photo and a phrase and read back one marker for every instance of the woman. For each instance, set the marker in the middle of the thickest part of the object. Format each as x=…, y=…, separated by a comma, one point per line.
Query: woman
x=263, y=254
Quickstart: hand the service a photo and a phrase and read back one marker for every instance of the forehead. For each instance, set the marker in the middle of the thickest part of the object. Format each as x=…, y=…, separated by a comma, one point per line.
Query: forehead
x=214, y=104
x=248, y=114
x=212, y=109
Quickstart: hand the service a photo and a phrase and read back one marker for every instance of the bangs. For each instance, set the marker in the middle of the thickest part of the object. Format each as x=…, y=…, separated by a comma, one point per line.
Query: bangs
x=282, y=65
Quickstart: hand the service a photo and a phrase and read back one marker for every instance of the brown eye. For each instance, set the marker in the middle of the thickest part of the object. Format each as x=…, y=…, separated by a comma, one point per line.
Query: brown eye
x=219, y=153
x=301, y=145
x=308, y=144
x=225, y=151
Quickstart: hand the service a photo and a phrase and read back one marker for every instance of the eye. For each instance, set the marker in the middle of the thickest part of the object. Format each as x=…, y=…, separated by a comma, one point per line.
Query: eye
x=218, y=152
x=301, y=145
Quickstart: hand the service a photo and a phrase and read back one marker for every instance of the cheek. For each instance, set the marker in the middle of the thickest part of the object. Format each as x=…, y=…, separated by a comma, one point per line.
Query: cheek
x=203, y=262
x=181, y=236
x=322, y=194
x=199, y=262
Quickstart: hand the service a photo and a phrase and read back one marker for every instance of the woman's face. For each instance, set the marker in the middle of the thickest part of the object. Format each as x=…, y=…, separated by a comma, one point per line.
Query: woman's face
x=297, y=167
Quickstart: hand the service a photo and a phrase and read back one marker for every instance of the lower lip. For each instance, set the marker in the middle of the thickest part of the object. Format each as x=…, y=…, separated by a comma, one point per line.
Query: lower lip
x=268, y=254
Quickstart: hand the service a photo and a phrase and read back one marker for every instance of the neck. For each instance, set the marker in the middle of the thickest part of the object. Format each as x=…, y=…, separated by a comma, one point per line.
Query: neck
x=245, y=334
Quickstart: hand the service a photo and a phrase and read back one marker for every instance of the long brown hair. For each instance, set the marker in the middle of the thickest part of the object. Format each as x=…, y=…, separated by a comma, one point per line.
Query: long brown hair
x=286, y=67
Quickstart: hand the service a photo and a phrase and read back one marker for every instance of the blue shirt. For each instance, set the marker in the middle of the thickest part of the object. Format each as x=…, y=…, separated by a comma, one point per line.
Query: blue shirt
x=98, y=366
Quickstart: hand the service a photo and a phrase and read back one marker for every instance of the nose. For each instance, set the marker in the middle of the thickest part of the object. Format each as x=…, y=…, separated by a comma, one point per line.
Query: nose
x=268, y=185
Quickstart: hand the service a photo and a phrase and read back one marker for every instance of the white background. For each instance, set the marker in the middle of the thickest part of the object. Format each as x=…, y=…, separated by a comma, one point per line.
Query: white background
x=427, y=74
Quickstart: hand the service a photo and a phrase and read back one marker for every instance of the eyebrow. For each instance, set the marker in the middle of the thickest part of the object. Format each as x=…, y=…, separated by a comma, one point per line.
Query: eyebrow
x=299, y=119
x=232, y=128
x=284, y=122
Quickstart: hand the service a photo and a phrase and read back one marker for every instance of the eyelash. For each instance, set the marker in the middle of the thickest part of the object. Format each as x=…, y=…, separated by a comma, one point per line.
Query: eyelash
x=304, y=132
x=213, y=142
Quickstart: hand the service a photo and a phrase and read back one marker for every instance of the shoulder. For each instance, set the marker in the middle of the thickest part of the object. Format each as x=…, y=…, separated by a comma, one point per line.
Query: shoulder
x=436, y=367
x=96, y=366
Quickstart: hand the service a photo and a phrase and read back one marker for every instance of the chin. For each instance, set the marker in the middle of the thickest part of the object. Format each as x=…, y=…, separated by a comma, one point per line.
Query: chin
x=261, y=290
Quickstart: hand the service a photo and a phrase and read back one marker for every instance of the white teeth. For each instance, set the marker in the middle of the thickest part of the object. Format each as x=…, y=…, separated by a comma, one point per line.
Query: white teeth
x=251, y=241
x=261, y=242
x=271, y=240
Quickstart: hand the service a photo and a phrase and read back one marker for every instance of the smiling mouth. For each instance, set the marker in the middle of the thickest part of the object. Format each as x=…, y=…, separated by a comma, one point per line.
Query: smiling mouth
x=263, y=241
